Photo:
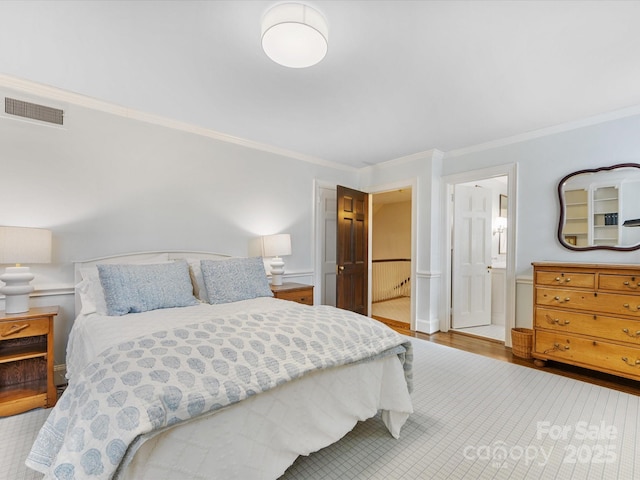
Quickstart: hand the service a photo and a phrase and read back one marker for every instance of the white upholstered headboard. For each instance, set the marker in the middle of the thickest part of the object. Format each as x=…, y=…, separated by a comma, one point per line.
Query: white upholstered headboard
x=139, y=257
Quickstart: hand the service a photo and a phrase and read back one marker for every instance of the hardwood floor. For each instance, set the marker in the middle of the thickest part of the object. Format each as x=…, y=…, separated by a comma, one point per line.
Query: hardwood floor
x=497, y=350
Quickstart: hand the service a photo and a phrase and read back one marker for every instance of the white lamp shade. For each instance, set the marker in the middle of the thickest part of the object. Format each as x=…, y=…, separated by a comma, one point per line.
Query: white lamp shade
x=24, y=245
x=276, y=245
x=294, y=35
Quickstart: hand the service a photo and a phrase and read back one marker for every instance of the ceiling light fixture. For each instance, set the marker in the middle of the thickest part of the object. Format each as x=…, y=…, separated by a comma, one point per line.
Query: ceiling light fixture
x=294, y=35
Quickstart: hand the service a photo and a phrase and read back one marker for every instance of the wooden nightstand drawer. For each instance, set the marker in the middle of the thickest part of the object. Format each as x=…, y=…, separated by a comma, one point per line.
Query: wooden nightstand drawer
x=295, y=292
x=26, y=360
x=24, y=328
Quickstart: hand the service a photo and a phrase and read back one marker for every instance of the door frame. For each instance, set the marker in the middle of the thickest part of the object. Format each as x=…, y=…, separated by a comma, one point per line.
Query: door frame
x=372, y=190
x=447, y=183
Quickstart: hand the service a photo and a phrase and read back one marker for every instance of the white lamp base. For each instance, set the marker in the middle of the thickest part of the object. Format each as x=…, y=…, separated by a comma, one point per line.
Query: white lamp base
x=17, y=289
x=277, y=271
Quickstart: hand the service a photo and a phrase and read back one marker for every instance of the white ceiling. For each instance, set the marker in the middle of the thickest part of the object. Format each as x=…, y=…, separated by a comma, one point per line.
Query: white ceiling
x=400, y=77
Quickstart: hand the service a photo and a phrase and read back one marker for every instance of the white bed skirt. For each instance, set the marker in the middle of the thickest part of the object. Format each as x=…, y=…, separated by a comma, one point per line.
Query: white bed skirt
x=263, y=438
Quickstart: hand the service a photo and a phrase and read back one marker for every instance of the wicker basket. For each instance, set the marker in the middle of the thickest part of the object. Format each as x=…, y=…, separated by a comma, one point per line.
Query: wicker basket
x=522, y=341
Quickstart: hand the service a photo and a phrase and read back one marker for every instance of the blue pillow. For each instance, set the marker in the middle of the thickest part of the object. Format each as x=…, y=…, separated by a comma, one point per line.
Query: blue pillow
x=235, y=279
x=139, y=288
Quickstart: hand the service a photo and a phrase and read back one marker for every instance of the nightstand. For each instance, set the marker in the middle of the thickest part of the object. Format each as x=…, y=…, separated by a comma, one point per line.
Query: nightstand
x=296, y=292
x=26, y=360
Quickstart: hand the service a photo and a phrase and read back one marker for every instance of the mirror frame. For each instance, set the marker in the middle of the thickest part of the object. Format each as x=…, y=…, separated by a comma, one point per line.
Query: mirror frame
x=562, y=210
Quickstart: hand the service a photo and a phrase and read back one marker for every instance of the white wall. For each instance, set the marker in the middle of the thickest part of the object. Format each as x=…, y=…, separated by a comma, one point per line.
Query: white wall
x=105, y=184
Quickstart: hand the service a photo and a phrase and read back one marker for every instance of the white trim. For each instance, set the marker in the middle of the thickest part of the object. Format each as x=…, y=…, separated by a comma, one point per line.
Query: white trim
x=524, y=279
x=447, y=182
x=433, y=153
x=421, y=274
x=50, y=291
x=53, y=291
x=52, y=93
x=56, y=94
x=543, y=132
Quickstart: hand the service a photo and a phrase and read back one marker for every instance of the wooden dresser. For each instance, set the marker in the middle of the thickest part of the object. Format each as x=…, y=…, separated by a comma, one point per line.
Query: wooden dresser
x=588, y=315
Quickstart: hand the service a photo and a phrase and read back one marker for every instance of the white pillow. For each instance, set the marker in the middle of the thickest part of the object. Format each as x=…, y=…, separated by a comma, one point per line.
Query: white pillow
x=195, y=270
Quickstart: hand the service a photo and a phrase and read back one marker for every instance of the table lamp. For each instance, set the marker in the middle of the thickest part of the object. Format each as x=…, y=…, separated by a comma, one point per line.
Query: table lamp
x=276, y=246
x=21, y=245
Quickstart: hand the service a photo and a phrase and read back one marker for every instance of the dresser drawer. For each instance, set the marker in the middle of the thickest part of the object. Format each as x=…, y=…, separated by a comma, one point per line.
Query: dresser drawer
x=621, y=283
x=605, y=356
x=302, y=295
x=617, y=304
x=23, y=328
x=595, y=325
x=563, y=279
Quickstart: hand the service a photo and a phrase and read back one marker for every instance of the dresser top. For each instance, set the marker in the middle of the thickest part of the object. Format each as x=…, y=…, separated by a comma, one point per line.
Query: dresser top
x=592, y=266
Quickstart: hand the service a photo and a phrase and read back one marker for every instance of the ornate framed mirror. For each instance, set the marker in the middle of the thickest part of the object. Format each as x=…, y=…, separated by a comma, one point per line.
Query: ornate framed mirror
x=600, y=207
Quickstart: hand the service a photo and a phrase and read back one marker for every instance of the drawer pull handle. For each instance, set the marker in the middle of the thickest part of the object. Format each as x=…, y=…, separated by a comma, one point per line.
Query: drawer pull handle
x=636, y=335
x=566, y=280
x=633, y=309
x=632, y=364
x=562, y=301
x=556, y=321
x=628, y=284
x=557, y=348
x=15, y=329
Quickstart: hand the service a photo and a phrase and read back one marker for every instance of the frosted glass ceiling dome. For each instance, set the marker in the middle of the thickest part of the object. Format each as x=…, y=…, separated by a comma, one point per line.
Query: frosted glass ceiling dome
x=294, y=35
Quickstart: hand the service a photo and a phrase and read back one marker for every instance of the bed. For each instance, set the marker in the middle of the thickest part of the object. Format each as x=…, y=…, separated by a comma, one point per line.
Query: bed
x=211, y=379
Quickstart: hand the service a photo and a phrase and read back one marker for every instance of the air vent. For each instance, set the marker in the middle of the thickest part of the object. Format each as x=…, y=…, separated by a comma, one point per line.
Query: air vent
x=32, y=110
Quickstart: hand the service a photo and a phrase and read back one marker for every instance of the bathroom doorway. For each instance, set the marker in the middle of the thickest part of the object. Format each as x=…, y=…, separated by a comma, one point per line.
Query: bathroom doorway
x=479, y=256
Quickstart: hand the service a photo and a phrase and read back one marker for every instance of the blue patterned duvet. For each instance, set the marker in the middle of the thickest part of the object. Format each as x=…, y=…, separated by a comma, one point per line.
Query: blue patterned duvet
x=142, y=386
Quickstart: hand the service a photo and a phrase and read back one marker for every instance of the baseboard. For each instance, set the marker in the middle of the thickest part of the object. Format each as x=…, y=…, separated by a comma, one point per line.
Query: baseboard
x=59, y=372
x=427, y=326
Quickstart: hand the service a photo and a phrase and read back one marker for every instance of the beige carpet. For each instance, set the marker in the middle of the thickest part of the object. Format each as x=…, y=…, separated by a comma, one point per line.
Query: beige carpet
x=395, y=309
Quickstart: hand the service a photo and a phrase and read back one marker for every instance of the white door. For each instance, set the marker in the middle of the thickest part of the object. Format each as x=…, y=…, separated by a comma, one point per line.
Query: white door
x=328, y=234
x=471, y=257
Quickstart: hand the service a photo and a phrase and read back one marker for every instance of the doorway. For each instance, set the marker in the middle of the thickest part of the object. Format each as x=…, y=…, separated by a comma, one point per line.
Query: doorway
x=391, y=256
x=500, y=236
x=325, y=224
x=479, y=258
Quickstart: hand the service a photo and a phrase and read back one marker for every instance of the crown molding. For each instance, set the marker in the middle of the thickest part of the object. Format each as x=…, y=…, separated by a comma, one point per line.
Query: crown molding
x=56, y=94
x=543, y=132
x=434, y=153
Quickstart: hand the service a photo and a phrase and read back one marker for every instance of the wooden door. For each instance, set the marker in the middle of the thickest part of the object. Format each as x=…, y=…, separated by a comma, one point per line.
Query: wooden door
x=471, y=270
x=352, y=250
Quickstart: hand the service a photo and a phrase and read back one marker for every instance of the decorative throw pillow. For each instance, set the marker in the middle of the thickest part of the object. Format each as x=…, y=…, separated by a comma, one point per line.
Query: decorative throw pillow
x=235, y=279
x=90, y=289
x=139, y=288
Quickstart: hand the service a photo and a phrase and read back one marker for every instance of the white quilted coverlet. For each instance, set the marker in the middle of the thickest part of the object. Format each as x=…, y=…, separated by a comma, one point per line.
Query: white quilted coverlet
x=261, y=436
